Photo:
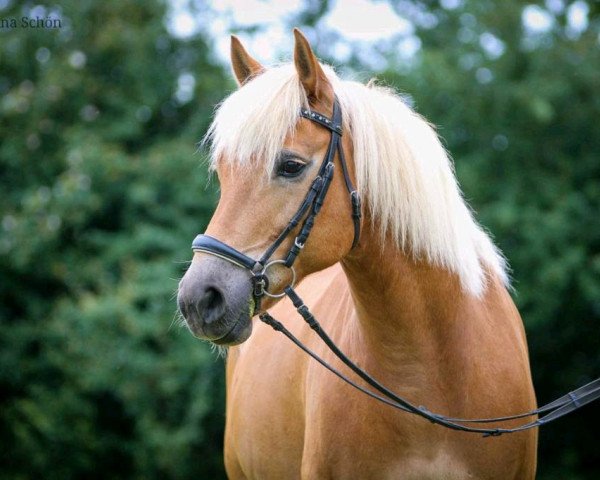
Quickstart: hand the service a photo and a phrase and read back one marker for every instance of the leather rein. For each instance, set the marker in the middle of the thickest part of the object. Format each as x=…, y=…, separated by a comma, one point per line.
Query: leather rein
x=305, y=216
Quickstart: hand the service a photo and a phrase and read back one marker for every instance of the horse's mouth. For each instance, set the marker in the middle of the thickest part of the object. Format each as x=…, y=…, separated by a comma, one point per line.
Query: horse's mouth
x=238, y=333
x=235, y=333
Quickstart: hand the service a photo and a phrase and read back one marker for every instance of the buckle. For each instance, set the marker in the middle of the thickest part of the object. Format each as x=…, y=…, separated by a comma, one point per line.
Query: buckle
x=260, y=283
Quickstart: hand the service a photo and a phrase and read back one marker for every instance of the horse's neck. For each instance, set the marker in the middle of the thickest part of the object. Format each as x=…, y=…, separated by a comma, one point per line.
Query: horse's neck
x=405, y=308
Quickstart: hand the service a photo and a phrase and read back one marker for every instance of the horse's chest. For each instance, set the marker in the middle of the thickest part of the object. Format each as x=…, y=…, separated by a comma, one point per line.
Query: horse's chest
x=264, y=432
x=308, y=425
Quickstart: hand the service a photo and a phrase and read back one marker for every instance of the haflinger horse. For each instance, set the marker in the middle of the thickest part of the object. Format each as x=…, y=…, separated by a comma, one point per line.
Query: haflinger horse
x=419, y=300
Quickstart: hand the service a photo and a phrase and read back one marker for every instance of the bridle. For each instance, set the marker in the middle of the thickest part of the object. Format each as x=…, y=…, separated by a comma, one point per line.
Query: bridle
x=308, y=210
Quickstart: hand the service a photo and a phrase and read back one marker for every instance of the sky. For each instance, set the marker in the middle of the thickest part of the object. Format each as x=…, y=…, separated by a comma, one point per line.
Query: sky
x=357, y=20
x=365, y=22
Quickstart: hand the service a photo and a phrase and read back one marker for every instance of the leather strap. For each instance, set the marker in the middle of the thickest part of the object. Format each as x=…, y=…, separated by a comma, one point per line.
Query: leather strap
x=354, y=197
x=335, y=125
x=293, y=223
x=208, y=244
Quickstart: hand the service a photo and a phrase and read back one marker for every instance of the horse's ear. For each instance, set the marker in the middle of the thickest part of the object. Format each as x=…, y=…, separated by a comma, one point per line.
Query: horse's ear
x=244, y=66
x=311, y=74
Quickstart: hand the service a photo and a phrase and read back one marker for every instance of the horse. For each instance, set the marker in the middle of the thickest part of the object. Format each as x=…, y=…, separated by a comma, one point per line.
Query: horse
x=420, y=299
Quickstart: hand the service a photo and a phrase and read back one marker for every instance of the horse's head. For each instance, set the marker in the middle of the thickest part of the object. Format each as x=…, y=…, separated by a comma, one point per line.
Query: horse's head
x=267, y=158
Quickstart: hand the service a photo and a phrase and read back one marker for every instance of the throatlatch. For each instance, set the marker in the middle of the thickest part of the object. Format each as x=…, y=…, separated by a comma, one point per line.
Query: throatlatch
x=306, y=213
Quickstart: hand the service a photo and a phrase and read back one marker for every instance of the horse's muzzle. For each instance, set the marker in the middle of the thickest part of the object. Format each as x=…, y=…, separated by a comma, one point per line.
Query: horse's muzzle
x=215, y=298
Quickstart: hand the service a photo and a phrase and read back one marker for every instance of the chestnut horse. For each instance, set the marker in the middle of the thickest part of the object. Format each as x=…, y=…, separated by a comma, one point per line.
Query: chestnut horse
x=420, y=303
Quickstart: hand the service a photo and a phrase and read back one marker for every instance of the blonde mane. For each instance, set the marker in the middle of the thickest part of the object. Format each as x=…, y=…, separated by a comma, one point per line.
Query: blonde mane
x=403, y=172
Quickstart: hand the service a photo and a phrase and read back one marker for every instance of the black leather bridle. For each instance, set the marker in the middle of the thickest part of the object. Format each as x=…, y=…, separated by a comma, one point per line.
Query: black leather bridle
x=308, y=210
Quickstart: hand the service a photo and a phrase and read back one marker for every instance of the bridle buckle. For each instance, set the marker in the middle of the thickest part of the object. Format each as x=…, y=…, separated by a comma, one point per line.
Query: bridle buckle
x=260, y=283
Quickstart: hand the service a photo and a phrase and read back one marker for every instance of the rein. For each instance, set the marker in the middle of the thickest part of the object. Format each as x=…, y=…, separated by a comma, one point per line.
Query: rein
x=308, y=210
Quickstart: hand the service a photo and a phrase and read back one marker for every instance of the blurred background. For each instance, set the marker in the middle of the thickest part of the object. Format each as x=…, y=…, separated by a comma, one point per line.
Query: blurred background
x=103, y=187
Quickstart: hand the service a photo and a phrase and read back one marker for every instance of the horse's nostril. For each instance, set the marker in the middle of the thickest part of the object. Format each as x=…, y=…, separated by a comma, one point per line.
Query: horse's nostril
x=212, y=298
x=211, y=306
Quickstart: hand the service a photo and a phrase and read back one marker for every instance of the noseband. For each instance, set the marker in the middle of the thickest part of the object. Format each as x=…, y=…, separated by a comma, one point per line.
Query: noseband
x=308, y=210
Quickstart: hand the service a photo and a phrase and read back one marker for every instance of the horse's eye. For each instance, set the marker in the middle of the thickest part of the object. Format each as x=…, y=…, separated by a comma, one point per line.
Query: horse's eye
x=290, y=168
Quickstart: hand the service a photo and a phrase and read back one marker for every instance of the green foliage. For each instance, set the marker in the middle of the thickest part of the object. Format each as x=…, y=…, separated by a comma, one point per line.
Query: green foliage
x=101, y=192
